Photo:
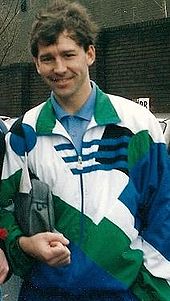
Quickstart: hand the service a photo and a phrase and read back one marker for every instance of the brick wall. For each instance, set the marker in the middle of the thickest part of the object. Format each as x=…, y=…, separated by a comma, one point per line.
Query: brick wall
x=132, y=61
x=10, y=90
x=114, y=13
x=109, y=13
x=20, y=89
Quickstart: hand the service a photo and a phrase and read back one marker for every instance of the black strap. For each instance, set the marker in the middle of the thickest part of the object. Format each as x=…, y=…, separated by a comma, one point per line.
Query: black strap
x=2, y=150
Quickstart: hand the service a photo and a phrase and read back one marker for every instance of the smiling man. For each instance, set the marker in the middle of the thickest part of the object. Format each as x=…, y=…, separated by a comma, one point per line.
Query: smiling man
x=105, y=160
x=64, y=67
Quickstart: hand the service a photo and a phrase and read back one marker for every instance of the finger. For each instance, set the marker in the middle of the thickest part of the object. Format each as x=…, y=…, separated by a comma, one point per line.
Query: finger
x=60, y=252
x=61, y=256
x=64, y=260
x=58, y=237
x=57, y=248
x=57, y=262
x=54, y=243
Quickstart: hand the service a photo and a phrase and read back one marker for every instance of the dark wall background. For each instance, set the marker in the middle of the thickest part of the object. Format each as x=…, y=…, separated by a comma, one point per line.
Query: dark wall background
x=132, y=61
x=15, y=23
x=20, y=89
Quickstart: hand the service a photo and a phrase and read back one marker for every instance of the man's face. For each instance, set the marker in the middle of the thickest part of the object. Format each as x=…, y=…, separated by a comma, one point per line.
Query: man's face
x=65, y=68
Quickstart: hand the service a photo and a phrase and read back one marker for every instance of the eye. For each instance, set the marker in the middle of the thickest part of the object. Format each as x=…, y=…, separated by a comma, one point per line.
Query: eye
x=69, y=55
x=46, y=59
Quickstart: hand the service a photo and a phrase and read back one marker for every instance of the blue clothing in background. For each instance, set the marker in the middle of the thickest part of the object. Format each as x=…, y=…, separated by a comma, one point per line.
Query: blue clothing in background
x=0, y=294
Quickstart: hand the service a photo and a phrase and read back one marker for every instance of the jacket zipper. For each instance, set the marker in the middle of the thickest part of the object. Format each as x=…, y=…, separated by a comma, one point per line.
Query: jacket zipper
x=80, y=167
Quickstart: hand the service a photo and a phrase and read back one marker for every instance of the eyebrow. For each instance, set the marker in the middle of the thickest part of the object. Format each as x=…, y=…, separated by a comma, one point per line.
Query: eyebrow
x=42, y=56
x=50, y=55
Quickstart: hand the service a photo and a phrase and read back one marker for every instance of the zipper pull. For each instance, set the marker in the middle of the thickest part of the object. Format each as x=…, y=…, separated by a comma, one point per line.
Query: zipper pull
x=80, y=163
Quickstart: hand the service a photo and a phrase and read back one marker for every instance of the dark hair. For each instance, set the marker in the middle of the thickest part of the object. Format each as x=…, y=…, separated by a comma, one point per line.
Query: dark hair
x=61, y=16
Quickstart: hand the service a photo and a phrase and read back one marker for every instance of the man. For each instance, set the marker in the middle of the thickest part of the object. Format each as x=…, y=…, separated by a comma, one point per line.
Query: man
x=105, y=160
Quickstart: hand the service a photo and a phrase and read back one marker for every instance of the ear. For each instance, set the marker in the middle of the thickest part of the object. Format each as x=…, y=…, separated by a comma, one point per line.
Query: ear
x=91, y=55
x=35, y=60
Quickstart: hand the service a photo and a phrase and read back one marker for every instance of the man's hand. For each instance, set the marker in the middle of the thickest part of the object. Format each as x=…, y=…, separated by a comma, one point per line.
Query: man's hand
x=48, y=247
x=4, y=268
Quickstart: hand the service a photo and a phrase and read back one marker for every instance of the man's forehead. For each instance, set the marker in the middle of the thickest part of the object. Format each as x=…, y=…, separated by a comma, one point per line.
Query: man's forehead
x=61, y=37
x=64, y=42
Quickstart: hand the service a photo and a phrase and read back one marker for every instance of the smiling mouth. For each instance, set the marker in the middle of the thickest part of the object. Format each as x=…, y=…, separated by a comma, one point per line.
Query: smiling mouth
x=60, y=81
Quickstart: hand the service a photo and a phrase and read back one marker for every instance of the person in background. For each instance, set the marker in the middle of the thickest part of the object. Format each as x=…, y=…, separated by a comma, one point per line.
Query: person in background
x=105, y=160
x=4, y=268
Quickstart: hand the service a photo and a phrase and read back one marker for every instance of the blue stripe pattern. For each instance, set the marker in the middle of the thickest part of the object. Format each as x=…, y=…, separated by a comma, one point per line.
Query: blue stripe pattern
x=111, y=153
x=121, y=165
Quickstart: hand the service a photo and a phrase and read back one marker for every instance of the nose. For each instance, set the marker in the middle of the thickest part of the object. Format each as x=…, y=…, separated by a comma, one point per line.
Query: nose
x=59, y=66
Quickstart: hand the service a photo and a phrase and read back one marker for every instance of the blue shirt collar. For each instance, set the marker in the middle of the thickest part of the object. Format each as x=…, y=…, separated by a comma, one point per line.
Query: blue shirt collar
x=85, y=112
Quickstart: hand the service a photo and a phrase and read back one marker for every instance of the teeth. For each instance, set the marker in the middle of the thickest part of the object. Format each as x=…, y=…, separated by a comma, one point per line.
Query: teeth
x=58, y=80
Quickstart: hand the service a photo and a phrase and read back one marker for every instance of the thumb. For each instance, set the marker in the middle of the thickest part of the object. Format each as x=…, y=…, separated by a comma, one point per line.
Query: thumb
x=59, y=237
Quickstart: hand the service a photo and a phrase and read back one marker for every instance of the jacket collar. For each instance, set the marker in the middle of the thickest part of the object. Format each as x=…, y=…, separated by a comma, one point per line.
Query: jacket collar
x=104, y=113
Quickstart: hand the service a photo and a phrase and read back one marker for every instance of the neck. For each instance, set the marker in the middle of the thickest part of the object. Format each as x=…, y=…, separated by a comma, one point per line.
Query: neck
x=72, y=104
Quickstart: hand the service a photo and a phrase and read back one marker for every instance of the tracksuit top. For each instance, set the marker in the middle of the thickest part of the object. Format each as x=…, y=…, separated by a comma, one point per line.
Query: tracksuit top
x=112, y=202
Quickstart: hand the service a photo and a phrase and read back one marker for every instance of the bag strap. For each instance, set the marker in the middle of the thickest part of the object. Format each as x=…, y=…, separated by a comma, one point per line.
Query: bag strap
x=25, y=181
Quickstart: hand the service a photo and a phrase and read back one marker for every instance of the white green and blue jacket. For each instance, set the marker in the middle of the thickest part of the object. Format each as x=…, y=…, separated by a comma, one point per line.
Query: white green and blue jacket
x=112, y=202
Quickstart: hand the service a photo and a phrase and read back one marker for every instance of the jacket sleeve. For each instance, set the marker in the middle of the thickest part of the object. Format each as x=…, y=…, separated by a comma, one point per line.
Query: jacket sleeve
x=150, y=171
x=10, y=181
